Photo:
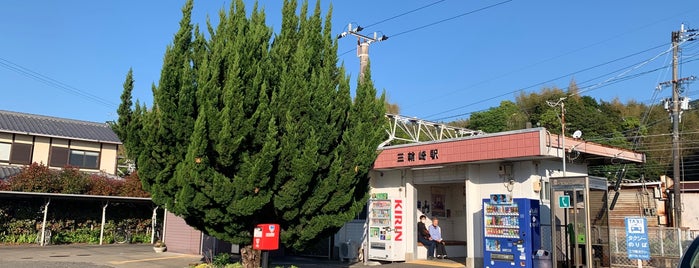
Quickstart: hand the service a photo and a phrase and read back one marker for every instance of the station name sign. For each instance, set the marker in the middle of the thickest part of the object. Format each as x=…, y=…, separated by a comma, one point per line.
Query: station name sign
x=422, y=155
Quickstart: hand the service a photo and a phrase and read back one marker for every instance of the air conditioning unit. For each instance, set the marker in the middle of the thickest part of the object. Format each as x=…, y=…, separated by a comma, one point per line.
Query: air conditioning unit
x=348, y=251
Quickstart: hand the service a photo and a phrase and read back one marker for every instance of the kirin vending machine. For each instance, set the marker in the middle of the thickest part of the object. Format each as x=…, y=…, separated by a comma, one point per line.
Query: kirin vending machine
x=386, y=229
x=511, y=231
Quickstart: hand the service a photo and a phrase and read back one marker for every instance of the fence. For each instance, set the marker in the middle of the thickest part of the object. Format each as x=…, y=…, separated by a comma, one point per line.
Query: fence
x=666, y=246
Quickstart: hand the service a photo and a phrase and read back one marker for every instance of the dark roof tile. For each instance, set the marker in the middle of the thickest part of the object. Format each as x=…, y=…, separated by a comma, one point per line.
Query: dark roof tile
x=40, y=125
x=8, y=171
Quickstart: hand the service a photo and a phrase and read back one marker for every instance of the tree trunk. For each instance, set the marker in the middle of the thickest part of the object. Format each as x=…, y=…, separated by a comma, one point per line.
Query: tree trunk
x=250, y=258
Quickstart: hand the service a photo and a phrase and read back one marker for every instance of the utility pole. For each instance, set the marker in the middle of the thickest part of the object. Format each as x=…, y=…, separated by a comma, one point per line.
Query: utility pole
x=563, y=128
x=554, y=253
x=363, y=42
x=675, y=107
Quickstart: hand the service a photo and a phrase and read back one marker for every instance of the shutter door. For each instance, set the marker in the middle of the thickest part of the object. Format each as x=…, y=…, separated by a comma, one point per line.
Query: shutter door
x=180, y=237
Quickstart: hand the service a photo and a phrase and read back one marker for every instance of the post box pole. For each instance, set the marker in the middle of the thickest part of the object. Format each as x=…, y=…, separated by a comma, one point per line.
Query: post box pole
x=265, y=259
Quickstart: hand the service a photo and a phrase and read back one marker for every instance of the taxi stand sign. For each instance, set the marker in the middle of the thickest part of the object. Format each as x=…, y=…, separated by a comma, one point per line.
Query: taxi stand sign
x=637, y=246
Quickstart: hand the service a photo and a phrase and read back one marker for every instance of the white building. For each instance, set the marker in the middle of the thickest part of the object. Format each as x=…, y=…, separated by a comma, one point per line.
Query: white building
x=461, y=172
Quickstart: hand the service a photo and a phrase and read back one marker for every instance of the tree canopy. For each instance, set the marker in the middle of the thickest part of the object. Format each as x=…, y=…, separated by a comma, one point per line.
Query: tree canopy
x=248, y=127
x=633, y=125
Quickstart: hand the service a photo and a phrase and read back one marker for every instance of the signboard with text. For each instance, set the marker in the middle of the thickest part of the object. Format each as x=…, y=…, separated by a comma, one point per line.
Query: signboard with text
x=422, y=155
x=637, y=247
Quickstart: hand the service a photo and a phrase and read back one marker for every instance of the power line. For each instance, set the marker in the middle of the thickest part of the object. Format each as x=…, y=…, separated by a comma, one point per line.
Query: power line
x=429, y=24
x=450, y=18
x=53, y=82
x=611, y=82
x=404, y=13
x=542, y=83
x=594, y=44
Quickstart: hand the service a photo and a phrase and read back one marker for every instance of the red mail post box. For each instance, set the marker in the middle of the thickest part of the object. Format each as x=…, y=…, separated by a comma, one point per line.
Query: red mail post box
x=266, y=237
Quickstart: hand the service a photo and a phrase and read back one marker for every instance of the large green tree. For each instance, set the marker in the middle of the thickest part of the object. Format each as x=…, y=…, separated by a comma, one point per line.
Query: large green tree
x=248, y=127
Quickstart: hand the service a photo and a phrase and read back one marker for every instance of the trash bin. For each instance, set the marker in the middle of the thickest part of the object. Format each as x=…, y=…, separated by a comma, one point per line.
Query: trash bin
x=542, y=259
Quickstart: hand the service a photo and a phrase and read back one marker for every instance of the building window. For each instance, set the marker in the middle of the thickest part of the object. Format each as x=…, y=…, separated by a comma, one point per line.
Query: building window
x=84, y=159
x=21, y=153
x=5, y=151
x=545, y=191
x=58, y=156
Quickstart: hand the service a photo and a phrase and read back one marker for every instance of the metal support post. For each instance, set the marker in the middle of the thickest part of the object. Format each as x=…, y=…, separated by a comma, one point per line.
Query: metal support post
x=43, y=223
x=104, y=216
x=153, y=224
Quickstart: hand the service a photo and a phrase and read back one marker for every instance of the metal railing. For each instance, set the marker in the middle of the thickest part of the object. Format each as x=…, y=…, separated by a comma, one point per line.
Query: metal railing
x=666, y=246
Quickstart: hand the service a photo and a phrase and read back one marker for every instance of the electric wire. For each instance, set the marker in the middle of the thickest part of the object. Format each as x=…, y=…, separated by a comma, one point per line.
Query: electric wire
x=542, y=83
x=450, y=18
x=433, y=23
x=609, y=83
x=53, y=82
x=404, y=13
x=581, y=86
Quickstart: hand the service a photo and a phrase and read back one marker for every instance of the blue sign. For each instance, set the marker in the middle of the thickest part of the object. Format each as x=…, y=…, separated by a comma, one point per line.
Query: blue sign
x=637, y=246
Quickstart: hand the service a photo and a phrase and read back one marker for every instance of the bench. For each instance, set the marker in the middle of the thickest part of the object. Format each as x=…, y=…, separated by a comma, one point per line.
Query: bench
x=454, y=248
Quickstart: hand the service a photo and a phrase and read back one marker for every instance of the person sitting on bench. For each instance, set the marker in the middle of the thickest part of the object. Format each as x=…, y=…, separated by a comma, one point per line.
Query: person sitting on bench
x=436, y=235
x=423, y=236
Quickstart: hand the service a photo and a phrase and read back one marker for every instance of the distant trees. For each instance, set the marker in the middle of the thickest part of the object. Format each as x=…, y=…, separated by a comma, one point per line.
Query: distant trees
x=248, y=129
x=632, y=125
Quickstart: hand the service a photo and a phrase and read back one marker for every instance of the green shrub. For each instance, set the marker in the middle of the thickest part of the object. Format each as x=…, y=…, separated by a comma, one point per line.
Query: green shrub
x=221, y=260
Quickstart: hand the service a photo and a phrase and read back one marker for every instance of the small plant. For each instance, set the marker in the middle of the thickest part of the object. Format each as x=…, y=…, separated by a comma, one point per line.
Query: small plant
x=221, y=260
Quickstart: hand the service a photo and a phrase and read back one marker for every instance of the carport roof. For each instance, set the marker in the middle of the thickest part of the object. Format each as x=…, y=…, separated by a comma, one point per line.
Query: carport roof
x=77, y=197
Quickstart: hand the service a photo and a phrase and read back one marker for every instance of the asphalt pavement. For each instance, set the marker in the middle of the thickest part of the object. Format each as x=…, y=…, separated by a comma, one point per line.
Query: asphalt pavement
x=84, y=256
x=142, y=255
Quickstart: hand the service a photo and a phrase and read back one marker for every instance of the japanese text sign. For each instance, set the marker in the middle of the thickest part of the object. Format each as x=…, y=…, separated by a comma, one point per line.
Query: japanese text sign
x=637, y=246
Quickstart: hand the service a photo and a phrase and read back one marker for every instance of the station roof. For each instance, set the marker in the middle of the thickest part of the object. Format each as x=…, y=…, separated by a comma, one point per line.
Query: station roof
x=535, y=143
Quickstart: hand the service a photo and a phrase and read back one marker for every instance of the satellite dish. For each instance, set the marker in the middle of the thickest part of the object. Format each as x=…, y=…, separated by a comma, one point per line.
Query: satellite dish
x=577, y=134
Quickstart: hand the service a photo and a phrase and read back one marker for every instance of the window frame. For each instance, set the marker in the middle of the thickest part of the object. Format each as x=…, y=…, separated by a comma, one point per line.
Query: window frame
x=25, y=156
x=57, y=151
x=83, y=154
x=9, y=151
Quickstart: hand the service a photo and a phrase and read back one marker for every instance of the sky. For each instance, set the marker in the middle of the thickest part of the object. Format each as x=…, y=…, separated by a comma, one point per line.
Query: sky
x=444, y=59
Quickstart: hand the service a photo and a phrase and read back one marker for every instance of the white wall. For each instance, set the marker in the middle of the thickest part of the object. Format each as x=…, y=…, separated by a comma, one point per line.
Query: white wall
x=465, y=186
x=690, y=215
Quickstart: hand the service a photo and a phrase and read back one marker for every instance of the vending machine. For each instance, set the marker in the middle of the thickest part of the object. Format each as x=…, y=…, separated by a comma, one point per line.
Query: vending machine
x=511, y=231
x=386, y=229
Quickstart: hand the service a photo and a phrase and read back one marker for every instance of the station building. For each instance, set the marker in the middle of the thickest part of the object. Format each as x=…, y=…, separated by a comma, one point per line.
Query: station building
x=448, y=179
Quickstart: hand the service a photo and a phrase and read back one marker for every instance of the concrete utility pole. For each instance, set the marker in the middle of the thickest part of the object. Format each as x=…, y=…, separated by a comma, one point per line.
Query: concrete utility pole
x=563, y=128
x=554, y=253
x=675, y=107
x=363, y=42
